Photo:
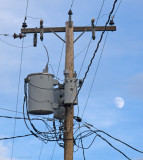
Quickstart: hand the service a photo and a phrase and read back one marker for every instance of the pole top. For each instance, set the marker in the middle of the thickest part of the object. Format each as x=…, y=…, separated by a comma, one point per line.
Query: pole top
x=70, y=12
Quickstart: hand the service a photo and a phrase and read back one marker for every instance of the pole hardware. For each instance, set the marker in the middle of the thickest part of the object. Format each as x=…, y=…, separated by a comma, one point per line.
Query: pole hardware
x=70, y=13
x=111, y=23
x=93, y=28
x=41, y=29
x=19, y=35
x=35, y=40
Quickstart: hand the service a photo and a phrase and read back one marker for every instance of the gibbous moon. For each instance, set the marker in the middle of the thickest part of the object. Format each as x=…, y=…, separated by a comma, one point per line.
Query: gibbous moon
x=119, y=102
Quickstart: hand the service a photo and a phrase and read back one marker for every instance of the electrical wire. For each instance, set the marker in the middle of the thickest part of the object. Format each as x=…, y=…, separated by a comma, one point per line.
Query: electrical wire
x=49, y=119
x=120, y=141
x=15, y=45
x=26, y=9
x=91, y=38
x=48, y=64
x=72, y=4
x=100, y=12
x=33, y=17
x=113, y=146
x=47, y=54
x=53, y=151
x=98, y=44
x=15, y=137
x=82, y=144
x=97, y=130
x=41, y=150
x=9, y=110
x=84, y=57
x=19, y=77
x=6, y=35
x=60, y=59
x=117, y=8
x=95, y=74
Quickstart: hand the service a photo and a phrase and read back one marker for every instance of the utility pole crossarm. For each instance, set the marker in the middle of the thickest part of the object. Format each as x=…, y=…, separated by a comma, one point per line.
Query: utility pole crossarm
x=63, y=29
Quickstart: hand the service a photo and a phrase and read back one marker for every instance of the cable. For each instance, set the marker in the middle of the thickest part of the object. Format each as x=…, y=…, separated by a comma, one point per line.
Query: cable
x=53, y=151
x=26, y=9
x=49, y=119
x=47, y=54
x=60, y=59
x=98, y=45
x=15, y=137
x=95, y=74
x=117, y=8
x=17, y=96
x=82, y=144
x=97, y=130
x=84, y=57
x=14, y=45
x=100, y=12
x=109, y=143
x=120, y=141
x=6, y=35
x=91, y=38
x=41, y=151
x=113, y=146
x=33, y=17
x=9, y=110
x=72, y=4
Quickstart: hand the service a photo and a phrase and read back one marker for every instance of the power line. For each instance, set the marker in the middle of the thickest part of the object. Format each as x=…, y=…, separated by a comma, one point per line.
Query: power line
x=85, y=56
x=14, y=45
x=100, y=12
x=91, y=38
x=82, y=145
x=41, y=151
x=95, y=74
x=15, y=137
x=33, y=17
x=60, y=59
x=120, y=141
x=113, y=146
x=118, y=7
x=98, y=44
x=26, y=9
x=49, y=119
x=72, y=4
x=10, y=110
x=53, y=151
x=17, y=96
x=97, y=130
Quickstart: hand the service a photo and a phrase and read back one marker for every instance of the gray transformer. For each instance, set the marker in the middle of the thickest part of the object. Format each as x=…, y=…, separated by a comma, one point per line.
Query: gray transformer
x=44, y=98
x=40, y=93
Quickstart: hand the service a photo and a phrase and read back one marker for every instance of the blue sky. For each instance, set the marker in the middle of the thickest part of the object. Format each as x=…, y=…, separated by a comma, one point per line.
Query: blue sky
x=120, y=74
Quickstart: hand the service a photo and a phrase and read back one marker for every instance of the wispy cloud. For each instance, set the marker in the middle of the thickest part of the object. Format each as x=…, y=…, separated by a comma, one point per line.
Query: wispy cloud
x=4, y=152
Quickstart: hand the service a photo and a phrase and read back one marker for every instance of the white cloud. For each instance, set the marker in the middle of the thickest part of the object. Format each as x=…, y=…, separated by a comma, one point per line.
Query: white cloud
x=4, y=152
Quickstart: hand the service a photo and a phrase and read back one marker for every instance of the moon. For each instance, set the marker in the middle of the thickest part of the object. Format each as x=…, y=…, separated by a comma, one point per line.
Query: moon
x=119, y=102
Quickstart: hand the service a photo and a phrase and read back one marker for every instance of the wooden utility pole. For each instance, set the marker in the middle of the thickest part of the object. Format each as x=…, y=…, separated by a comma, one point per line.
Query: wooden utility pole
x=69, y=110
x=69, y=66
